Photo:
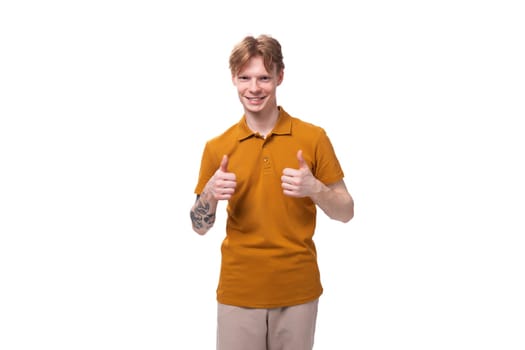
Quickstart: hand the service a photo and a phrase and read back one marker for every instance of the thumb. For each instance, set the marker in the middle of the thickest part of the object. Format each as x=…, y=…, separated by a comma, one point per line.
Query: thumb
x=224, y=163
x=302, y=162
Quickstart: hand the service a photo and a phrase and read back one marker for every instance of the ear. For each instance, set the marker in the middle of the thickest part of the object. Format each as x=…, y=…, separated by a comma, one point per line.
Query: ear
x=280, y=77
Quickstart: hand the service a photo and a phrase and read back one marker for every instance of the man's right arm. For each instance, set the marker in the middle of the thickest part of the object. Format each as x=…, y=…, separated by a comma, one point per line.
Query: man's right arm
x=203, y=213
x=221, y=186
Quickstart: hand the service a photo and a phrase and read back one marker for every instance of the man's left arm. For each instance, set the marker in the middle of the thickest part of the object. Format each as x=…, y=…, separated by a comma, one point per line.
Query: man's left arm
x=334, y=199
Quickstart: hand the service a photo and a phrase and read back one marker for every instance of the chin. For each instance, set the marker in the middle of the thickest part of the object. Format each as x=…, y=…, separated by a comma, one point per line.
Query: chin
x=254, y=108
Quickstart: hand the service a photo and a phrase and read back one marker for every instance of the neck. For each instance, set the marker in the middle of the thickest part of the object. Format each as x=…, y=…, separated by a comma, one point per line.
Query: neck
x=262, y=122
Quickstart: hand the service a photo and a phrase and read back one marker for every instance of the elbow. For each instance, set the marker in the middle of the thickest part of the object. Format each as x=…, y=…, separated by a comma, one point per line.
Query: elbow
x=343, y=217
x=349, y=212
x=200, y=230
x=344, y=213
x=347, y=217
x=198, y=224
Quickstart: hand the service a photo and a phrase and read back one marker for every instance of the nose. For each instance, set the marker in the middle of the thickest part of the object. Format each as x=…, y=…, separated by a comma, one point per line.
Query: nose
x=254, y=84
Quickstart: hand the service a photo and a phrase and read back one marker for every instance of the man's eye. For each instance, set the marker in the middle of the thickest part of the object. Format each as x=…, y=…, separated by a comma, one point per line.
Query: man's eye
x=243, y=78
x=265, y=78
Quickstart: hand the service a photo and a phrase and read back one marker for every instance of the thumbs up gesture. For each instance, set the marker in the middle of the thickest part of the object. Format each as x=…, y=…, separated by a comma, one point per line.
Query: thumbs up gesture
x=299, y=182
x=222, y=184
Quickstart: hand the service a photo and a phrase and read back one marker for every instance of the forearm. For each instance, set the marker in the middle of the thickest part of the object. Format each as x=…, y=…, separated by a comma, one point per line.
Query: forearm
x=335, y=201
x=203, y=213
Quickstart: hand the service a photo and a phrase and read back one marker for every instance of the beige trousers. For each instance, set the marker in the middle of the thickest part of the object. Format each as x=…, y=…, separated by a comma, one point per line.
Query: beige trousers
x=283, y=328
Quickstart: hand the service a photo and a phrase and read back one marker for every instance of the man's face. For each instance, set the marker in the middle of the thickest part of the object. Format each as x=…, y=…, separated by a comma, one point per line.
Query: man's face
x=256, y=86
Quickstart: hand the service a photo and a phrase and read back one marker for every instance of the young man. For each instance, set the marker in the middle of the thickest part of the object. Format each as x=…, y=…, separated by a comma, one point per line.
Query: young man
x=274, y=170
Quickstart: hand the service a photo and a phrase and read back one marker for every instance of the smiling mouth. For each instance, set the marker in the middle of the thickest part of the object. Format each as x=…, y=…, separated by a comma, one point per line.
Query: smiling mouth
x=255, y=98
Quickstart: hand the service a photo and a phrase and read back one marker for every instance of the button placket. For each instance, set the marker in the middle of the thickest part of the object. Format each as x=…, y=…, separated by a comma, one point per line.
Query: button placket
x=266, y=162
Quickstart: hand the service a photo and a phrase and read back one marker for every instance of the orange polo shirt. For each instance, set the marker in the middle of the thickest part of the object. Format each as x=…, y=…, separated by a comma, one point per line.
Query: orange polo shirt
x=269, y=258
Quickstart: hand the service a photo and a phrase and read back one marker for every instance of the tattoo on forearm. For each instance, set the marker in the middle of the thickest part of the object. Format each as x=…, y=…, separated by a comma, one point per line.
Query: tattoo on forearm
x=201, y=216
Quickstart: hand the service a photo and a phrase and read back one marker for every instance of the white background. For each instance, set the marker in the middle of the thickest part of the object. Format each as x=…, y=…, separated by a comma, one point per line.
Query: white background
x=105, y=107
